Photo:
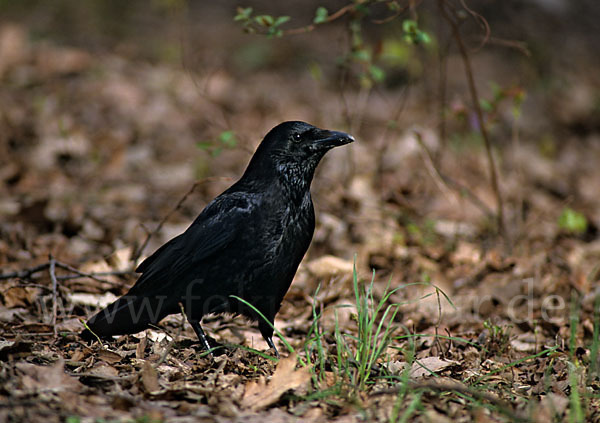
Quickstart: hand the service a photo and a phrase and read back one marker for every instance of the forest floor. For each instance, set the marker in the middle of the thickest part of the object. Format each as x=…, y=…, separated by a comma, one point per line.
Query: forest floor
x=408, y=305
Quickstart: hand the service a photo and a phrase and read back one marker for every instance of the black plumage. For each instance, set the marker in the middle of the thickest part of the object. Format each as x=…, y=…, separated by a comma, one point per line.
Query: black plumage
x=247, y=242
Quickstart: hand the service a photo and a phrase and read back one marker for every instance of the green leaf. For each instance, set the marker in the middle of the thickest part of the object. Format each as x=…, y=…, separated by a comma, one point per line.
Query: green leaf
x=228, y=138
x=377, y=74
x=362, y=55
x=264, y=20
x=412, y=33
x=572, y=221
x=393, y=6
x=486, y=105
x=274, y=32
x=281, y=20
x=409, y=26
x=321, y=15
x=243, y=14
x=423, y=37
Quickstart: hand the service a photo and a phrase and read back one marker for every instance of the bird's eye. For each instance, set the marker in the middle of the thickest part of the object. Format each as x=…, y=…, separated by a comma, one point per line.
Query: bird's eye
x=297, y=137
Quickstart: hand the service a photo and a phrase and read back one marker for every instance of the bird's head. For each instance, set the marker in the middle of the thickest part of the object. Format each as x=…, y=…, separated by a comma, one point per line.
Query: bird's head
x=295, y=148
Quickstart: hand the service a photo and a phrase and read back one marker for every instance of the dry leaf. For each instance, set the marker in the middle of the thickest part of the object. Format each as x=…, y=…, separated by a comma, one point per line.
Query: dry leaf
x=141, y=347
x=524, y=343
x=103, y=370
x=149, y=378
x=92, y=299
x=110, y=357
x=42, y=378
x=69, y=325
x=16, y=296
x=425, y=366
x=553, y=404
x=259, y=395
x=121, y=259
x=466, y=252
x=328, y=266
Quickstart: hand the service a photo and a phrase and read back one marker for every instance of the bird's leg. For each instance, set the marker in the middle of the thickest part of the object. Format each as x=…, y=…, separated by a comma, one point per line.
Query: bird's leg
x=200, y=334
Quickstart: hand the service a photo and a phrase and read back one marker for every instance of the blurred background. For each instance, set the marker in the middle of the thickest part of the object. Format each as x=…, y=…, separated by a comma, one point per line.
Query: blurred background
x=124, y=105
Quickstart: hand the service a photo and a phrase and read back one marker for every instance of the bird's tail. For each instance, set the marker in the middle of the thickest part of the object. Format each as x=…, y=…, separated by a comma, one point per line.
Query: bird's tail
x=129, y=314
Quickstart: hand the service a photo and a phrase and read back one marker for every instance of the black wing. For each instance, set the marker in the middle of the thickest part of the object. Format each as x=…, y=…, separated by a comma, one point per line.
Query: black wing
x=213, y=230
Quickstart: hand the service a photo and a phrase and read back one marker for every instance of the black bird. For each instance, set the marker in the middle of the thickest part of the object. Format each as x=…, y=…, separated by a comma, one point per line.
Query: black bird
x=247, y=242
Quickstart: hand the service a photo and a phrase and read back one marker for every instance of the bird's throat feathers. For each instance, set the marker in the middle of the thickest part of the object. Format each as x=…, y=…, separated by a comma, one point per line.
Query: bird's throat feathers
x=295, y=174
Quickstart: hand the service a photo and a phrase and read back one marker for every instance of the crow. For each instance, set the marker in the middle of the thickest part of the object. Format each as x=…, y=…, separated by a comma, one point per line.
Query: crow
x=246, y=243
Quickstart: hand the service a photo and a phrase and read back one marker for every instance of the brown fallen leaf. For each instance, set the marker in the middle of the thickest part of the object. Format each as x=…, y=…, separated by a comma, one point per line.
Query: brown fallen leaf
x=141, y=347
x=16, y=296
x=425, y=366
x=259, y=395
x=120, y=260
x=47, y=378
x=111, y=357
x=329, y=266
x=149, y=378
x=103, y=370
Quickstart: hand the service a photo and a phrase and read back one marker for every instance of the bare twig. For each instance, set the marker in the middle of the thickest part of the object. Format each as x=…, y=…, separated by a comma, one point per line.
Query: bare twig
x=482, y=128
x=52, y=270
x=450, y=183
x=25, y=273
x=450, y=340
x=94, y=276
x=30, y=285
x=431, y=166
x=516, y=44
x=484, y=24
x=336, y=15
x=163, y=357
x=391, y=17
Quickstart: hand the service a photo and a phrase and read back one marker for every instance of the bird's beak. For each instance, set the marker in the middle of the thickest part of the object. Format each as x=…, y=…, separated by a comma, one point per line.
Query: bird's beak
x=330, y=139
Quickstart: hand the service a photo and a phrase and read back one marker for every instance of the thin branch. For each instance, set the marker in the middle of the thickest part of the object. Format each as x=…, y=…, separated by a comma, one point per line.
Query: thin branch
x=484, y=24
x=163, y=357
x=93, y=276
x=52, y=271
x=475, y=99
x=28, y=272
x=96, y=274
x=391, y=17
x=30, y=285
x=25, y=273
x=449, y=182
x=516, y=44
x=334, y=16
